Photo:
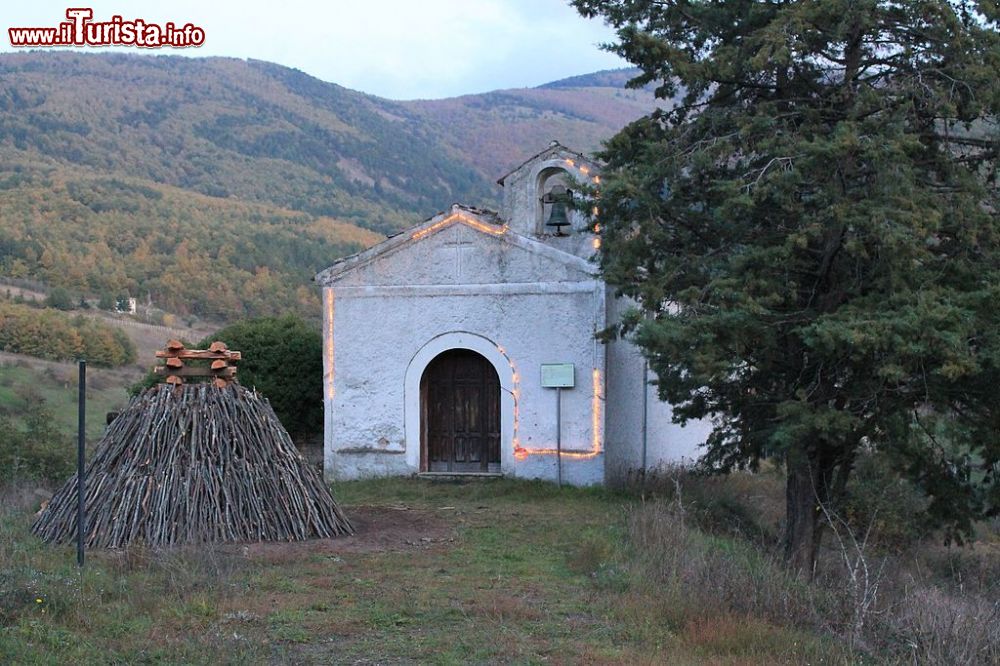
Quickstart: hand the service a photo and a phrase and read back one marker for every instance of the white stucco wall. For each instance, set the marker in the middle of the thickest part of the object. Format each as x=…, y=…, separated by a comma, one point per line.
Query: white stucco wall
x=667, y=443
x=461, y=287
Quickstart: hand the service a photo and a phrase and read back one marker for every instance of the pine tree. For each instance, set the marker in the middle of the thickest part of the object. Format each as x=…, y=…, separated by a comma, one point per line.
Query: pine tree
x=809, y=228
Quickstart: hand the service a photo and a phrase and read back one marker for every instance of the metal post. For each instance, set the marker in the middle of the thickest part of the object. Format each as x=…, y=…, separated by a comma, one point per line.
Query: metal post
x=645, y=414
x=81, y=522
x=559, y=435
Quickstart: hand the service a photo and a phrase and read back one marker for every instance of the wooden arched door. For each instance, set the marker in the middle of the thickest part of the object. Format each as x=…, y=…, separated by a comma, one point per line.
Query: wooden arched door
x=460, y=414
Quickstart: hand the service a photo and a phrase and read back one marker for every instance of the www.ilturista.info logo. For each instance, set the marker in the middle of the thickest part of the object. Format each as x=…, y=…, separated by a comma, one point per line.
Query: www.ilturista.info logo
x=81, y=30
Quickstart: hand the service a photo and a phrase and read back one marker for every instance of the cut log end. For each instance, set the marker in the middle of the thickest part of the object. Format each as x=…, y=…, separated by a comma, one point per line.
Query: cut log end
x=220, y=369
x=194, y=371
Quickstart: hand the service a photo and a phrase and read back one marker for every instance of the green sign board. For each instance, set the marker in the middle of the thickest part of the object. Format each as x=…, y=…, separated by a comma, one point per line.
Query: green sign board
x=557, y=375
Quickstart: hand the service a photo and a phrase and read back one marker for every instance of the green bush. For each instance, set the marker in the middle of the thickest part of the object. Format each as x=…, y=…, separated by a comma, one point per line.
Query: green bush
x=283, y=359
x=892, y=506
x=106, y=302
x=40, y=452
x=60, y=299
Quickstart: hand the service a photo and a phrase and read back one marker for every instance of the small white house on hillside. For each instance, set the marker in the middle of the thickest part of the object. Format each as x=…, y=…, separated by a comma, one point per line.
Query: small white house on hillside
x=466, y=345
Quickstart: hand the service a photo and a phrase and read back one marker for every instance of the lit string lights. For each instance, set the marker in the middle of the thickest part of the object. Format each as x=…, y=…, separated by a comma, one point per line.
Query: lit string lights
x=521, y=453
x=597, y=397
x=596, y=180
x=464, y=219
x=328, y=304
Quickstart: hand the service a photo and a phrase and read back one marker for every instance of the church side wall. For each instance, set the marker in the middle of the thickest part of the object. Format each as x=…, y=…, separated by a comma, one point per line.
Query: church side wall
x=667, y=443
x=624, y=435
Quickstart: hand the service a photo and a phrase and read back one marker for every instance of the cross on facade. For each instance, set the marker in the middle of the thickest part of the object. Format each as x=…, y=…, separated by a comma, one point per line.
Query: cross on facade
x=460, y=248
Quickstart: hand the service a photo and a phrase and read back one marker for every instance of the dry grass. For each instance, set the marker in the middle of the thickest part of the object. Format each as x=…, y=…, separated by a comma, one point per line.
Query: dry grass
x=742, y=504
x=936, y=627
x=711, y=576
x=934, y=605
x=511, y=572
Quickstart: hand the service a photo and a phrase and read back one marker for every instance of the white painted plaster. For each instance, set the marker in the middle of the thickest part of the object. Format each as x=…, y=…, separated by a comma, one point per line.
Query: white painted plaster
x=399, y=311
x=667, y=443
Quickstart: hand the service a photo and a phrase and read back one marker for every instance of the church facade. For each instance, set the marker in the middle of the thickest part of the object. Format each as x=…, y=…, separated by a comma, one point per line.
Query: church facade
x=467, y=345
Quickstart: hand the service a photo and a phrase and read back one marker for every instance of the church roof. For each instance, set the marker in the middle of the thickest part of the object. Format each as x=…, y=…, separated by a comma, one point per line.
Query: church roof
x=482, y=220
x=554, y=148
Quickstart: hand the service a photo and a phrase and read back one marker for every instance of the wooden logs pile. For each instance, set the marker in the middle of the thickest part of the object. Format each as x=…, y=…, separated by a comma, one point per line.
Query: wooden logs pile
x=194, y=463
x=177, y=363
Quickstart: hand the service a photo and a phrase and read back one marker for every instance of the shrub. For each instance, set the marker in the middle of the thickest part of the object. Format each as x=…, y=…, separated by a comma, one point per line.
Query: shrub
x=40, y=452
x=283, y=359
x=106, y=302
x=60, y=299
x=891, y=505
x=744, y=504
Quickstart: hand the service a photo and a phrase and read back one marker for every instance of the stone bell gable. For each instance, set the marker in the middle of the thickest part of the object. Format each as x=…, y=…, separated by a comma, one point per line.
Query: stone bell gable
x=525, y=187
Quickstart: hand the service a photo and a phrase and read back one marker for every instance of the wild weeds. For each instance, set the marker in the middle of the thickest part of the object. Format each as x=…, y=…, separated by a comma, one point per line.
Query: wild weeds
x=46, y=600
x=710, y=575
x=923, y=606
x=938, y=628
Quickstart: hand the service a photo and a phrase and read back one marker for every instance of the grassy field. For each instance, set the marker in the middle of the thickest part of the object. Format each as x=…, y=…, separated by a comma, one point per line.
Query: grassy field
x=25, y=381
x=496, y=572
x=482, y=572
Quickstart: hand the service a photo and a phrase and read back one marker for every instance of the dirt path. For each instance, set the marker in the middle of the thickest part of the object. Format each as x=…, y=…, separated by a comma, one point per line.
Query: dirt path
x=377, y=529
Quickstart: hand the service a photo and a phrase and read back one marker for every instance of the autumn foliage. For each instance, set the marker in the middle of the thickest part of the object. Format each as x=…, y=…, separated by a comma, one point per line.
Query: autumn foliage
x=50, y=334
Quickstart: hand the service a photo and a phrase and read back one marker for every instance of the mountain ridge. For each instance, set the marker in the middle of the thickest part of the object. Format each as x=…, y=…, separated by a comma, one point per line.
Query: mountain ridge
x=264, y=142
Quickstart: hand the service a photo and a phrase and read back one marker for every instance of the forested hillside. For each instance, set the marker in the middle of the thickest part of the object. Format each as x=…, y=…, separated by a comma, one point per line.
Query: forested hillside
x=218, y=186
x=50, y=334
x=498, y=130
x=190, y=253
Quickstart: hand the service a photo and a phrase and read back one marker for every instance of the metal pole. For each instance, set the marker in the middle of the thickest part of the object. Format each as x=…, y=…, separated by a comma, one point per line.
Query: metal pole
x=645, y=413
x=81, y=518
x=559, y=434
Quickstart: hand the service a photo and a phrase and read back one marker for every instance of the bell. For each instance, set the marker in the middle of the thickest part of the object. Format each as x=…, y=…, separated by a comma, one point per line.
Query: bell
x=557, y=214
x=557, y=218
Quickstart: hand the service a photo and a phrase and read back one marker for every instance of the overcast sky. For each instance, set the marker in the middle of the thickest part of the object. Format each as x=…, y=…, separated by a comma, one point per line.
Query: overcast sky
x=401, y=49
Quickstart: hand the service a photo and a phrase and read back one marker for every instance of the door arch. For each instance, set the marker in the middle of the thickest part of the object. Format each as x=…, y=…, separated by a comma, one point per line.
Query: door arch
x=488, y=349
x=460, y=414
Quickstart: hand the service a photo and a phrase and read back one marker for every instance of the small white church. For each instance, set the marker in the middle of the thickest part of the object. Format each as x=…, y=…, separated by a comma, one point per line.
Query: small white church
x=467, y=346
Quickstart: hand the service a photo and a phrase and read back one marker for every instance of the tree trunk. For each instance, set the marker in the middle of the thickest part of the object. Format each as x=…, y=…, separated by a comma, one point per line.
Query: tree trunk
x=803, y=526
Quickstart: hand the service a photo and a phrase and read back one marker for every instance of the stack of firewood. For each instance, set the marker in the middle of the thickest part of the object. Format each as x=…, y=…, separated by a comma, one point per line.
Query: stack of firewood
x=195, y=463
x=180, y=363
